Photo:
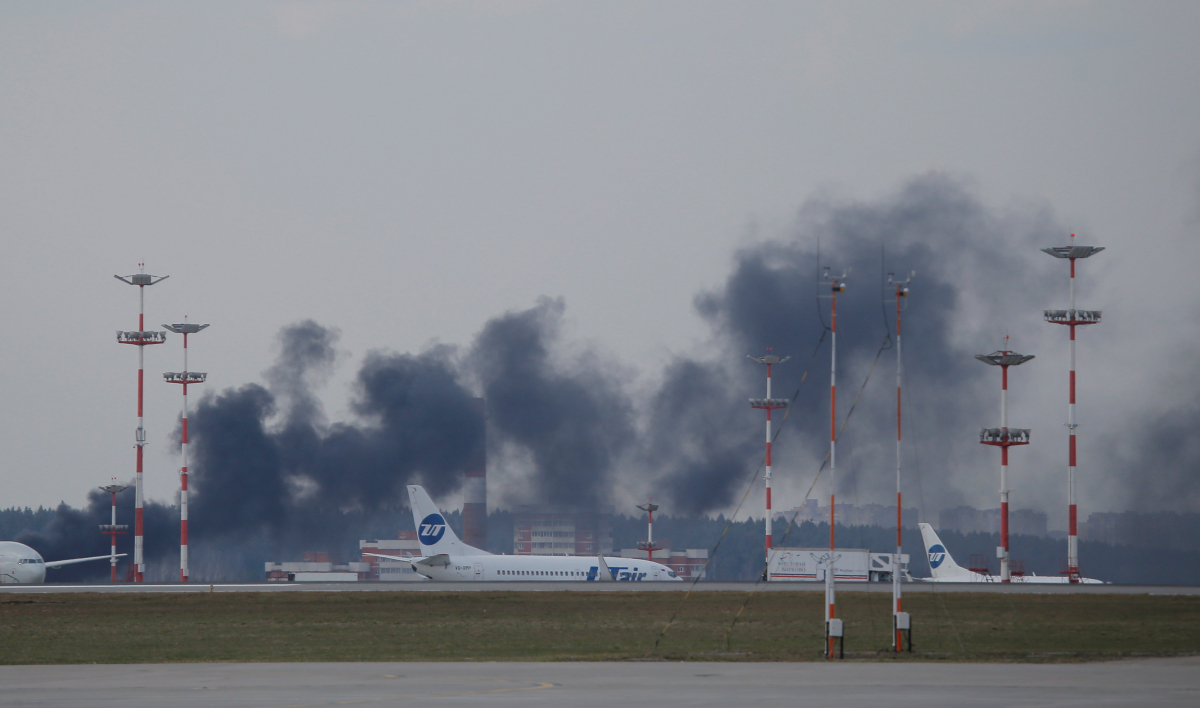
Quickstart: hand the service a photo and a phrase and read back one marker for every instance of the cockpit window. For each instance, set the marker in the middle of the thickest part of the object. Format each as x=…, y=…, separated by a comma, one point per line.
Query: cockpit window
x=672, y=574
x=25, y=561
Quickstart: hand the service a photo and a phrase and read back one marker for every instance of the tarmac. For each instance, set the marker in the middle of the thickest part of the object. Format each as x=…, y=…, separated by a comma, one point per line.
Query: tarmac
x=568, y=586
x=1138, y=682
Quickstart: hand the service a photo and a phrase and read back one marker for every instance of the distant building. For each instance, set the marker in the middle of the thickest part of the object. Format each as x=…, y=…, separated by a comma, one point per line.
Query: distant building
x=851, y=514
x=316, y=567
x=688, y=563
x=558, y=530
x=968, y=519
x=405, y=545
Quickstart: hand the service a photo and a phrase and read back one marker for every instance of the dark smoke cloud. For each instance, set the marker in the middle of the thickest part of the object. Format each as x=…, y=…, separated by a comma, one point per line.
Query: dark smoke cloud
x=976, y=272
x=572, y=417
x=292, y=480
x=272, y=477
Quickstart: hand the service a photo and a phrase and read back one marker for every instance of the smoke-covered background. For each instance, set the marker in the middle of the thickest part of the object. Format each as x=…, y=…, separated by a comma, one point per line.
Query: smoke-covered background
x=567, y=422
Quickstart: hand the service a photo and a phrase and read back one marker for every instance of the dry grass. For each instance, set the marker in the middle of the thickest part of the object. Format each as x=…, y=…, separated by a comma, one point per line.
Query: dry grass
x=554, y=626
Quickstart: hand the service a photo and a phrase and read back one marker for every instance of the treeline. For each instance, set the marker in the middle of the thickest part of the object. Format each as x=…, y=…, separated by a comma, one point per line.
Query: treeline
x=736, y=549
x=15, y=520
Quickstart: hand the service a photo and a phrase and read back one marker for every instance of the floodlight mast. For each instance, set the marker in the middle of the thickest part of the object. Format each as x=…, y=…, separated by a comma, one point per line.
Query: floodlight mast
x=140, y=339
x=900, y=622
x=113, y=530
x=1072, y=318
x=648, y=545
x=184, y=378
x=1004, y=438
x=768, y=404
x=832, y=631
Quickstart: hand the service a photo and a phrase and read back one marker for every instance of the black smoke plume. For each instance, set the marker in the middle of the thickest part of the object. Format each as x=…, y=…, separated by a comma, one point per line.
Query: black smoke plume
x=976, y=269
x=572, y=417
x=273, y=477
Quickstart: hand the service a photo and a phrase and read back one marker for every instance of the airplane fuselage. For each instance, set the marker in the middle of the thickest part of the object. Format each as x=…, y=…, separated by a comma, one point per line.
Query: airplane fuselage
x=1020, y=579
x=21, y=564
x=540, y=568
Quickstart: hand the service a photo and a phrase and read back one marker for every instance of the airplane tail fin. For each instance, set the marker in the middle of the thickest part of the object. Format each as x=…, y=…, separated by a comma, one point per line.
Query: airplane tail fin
x=434, y=534
x=940, y=562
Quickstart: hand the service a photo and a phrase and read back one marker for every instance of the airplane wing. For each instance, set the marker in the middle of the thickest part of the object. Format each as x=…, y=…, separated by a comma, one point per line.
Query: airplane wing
x=440, y=559
x=55, y=564
x=402, y=559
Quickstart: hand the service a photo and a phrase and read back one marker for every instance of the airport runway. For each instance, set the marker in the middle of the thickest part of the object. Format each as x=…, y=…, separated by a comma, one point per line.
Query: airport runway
x=483, y=586
x=1140, y=682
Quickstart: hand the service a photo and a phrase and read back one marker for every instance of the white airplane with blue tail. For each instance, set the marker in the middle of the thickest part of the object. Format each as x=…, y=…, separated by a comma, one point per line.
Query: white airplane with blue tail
x=945, y=570
x=445, y=557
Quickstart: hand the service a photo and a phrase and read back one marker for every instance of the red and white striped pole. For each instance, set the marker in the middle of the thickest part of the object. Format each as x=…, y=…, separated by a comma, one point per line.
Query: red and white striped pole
x=184, y=377
x=113, y=530
x=1005, y=575
x=1003, y=438
x=1072, y=318
x=768, y=404
x=897, y=634
x=837, y=285
x=140, y=339
x=648, y=546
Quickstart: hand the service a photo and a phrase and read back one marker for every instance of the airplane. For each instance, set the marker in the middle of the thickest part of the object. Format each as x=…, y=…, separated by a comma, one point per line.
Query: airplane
x=945, y=570
x=21, y=564
x=447, y=558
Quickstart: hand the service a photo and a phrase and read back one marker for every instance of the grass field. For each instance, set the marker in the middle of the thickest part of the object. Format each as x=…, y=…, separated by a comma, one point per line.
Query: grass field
x=556, y=626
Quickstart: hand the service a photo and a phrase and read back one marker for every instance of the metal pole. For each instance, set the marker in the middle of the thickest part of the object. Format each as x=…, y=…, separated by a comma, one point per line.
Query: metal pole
x=1072, y=318
x=897, y=603
x=183, y=476
x=1003, y=438
x=112, y=561
x=112, y=529
x=767, y=473
x=140, y=340
x=650, y=535
x=1004, y=571
x=139, y=563
x=830, y=583
x=184, y=377
x=1072, y=538
x=769, y=404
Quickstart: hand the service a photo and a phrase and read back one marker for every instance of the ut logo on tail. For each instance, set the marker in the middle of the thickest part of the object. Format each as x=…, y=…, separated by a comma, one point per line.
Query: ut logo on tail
x=432, y=528
x=937, y=554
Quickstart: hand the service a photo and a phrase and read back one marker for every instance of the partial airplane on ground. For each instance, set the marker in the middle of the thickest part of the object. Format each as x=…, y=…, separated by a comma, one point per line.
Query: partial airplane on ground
x=945, y=570
x=448, y=558
x=21, y=564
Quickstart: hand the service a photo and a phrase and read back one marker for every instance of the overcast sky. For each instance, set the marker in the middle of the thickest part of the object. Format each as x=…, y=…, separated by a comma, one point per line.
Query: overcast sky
x=405, y=171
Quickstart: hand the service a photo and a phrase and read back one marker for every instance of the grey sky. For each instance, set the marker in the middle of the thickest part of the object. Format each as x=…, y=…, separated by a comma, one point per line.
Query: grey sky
x=406, y=171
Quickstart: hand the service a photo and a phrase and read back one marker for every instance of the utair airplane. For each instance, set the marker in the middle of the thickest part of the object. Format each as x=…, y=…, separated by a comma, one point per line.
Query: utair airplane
x=21, y=564
x=447, y=558
x=945, y=570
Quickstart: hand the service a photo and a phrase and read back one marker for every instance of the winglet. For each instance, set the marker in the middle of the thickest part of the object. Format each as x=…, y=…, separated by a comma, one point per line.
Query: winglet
x=604, y=573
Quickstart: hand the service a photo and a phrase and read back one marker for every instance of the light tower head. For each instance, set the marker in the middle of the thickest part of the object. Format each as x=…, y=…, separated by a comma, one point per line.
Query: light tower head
x=185, y=328
x=901, y=285
x=648, y=507
x=142, y=279
x=837, y=283
x=114, y=488
x=768, y=359
x=1073, y=251
x=1004, y=358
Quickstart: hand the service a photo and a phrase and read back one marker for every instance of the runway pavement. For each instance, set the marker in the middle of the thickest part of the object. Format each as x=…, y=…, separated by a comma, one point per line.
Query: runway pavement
x=567, y=586
x=1140, y=682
